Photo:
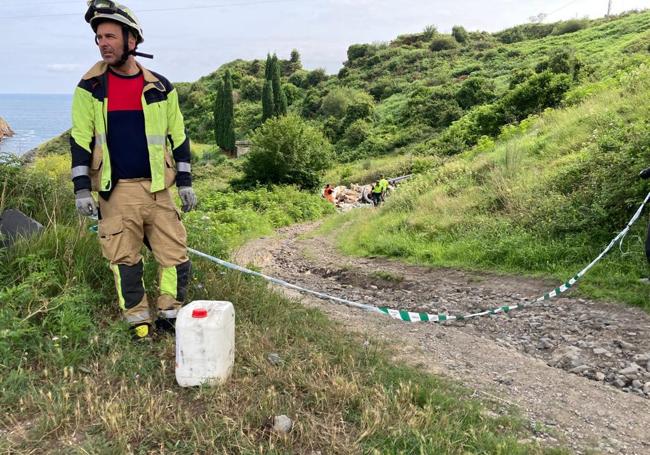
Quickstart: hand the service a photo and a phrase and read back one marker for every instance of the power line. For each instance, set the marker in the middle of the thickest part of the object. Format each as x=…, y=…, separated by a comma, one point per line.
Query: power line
x=183, y=8
x=562, y=7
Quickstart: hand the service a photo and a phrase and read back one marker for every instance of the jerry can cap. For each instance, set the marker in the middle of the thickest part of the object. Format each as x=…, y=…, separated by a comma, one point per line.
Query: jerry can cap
x=200, y=313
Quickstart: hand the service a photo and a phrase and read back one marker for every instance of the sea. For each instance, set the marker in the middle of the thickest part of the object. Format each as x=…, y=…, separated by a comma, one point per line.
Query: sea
x=34, y=118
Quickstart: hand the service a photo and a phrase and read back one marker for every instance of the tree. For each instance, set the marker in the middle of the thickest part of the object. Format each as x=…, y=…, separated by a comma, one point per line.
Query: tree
x=225, y=115
x=268, y=68
x=218, y=112
x=287, y=150
x=279, y=98
x=268, y=108
x=294, y=60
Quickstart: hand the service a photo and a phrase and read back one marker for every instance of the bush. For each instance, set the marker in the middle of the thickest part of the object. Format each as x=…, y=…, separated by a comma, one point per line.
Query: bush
x=537, y=93
x=475, y=90
x=335, y=103
x=311, y=104
x=443, y=43
x=561, y=61
x=316, y=77
x=356, y=133
x=287, y=150
x=299, y=78
x=251, y=88
x=357, y=51
x=436, y=107
x=460, y=34
x=570, y=26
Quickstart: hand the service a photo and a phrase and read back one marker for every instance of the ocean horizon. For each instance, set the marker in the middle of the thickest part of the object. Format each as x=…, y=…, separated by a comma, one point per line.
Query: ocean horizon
x=34, y=118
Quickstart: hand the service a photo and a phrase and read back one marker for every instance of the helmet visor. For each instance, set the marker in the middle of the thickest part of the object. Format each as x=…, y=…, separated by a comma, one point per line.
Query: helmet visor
x=104, y=7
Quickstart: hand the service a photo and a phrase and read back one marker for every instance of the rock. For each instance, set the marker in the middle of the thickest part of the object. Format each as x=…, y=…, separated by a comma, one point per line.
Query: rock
x=599, y=376
x=5, y=129
x=602, y=351
x=579, y=369
x=646, y=388
x=15, y=224
x=625, y=345
x=545, y=343
x=642, y=357
x=566, y=357
x=633, y=368
x=636, y=384
x=282, y=424
x=274, y=359
x=619, y=383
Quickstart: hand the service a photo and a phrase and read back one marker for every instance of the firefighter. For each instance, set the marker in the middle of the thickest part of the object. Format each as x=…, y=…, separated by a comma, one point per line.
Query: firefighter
x=128, y=144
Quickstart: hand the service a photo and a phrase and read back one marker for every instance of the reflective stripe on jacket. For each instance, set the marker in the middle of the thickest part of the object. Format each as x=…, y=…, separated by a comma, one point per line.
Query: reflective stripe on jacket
x=164, y=129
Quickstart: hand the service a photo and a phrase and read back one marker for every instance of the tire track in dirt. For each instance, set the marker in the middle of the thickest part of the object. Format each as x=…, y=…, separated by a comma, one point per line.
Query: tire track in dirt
x=572, y=366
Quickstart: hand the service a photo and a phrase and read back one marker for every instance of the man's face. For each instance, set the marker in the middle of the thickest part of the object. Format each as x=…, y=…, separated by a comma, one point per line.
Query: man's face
x=111, y=42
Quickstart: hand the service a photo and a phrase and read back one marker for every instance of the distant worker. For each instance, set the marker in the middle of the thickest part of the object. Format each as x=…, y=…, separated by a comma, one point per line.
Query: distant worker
x=376, y=192
x=328, y=193
x=125, y=122
x=384, y=186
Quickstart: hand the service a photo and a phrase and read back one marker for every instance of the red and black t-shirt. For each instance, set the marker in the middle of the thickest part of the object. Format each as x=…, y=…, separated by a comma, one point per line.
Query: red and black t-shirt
x=127, y=140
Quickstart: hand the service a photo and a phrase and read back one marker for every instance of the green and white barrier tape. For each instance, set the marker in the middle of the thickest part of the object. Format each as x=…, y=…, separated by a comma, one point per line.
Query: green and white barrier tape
x=409, y=316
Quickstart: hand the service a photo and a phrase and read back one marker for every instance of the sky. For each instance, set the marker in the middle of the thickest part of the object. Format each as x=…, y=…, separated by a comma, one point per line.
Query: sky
x=46, y=46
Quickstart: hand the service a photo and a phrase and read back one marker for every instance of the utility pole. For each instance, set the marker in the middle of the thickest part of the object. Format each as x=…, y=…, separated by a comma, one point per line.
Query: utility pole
x=609, y=7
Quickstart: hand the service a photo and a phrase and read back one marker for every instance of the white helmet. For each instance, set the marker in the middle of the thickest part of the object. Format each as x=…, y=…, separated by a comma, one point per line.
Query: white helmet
x=102, y=10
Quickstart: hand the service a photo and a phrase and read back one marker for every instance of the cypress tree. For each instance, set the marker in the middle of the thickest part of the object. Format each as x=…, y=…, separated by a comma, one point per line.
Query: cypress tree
x=268, y=108
x=268, y=68
x=228, y=115
x=218, y=114
x=279, y=98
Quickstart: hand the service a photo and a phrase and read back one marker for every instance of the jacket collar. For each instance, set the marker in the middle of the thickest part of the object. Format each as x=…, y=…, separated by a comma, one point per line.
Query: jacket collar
x=100, y=68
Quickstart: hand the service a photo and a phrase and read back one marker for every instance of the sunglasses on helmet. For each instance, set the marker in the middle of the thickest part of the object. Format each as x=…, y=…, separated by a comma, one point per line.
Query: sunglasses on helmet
x=104, y=7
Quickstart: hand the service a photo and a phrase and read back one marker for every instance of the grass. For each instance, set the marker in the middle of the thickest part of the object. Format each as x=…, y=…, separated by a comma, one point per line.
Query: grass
x=543, y=199
x=72, y=381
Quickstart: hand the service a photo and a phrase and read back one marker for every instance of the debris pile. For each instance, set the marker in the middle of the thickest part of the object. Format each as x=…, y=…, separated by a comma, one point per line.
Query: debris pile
x=355, y=196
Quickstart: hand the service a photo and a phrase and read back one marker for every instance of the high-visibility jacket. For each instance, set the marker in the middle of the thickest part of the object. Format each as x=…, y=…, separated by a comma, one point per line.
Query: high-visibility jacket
x=164, y=129
x=384, y=184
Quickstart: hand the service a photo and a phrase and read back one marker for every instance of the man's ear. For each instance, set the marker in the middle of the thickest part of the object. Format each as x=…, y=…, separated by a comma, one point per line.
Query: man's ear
x=132, y=41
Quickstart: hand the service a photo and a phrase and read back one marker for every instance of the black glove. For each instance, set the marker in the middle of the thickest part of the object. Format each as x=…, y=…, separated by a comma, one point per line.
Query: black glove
x=645, y=174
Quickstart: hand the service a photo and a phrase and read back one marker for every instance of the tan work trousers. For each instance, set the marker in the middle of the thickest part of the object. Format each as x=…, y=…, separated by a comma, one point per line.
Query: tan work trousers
x=131, y=215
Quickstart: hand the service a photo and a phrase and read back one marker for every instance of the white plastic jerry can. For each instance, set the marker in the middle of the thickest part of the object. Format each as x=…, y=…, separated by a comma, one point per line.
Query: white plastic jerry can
x=205, y=342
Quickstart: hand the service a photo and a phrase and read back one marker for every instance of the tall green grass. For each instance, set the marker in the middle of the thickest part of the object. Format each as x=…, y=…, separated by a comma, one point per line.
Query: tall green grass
x=72, y=380
x=544, y=199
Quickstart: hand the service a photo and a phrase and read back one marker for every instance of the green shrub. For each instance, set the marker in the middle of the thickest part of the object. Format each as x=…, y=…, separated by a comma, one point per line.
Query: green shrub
x=443, y=43
x=475, y=90
x=299, y=78
x=357, y=51
x=311, y=104
x=315, y=77
x=251, y=88
x=570, y=26
x=537, y=93
x=460, y=34
x=287, y=150
x=356, y=133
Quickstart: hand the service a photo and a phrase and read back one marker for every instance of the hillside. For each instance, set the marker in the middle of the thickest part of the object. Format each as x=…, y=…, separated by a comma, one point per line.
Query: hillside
x=401, y=96
x=526, y=145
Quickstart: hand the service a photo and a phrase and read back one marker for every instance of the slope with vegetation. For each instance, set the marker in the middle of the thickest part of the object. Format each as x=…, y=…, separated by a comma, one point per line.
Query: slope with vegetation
x=526, y=144
x=71, y=379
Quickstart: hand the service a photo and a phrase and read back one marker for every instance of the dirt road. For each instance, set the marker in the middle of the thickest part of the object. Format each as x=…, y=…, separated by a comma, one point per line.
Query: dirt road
x=578, y=370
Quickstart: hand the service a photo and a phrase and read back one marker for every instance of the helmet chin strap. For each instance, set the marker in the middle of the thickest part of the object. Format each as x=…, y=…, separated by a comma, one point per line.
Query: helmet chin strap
x=126, y=52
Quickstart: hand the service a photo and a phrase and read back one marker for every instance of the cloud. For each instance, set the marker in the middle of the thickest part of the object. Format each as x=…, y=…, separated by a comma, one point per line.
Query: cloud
x=64, y=67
